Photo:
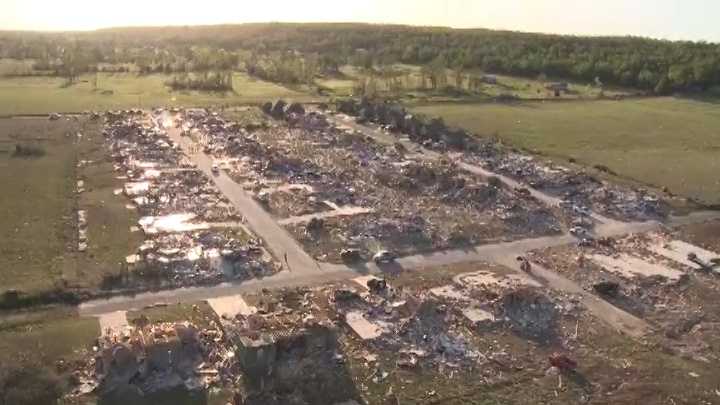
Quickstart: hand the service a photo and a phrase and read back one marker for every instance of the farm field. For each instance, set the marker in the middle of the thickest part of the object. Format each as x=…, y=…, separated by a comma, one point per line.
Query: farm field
x=664, y=142
x=42, y=95
x=39, y=204
x=411, y=81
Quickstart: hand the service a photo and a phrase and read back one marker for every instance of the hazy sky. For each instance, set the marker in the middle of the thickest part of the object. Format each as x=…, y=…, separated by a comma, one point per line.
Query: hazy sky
x=672, y=19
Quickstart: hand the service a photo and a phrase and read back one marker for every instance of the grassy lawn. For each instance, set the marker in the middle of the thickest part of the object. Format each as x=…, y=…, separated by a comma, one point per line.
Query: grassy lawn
x=659, y=141
x=338, y=87
x=39, y=351
x=199, y=314
x=522, y=88
x=525, y=88
x=42, y=338
x=38, y=239
x=41, y=95
x=246, y=116
x=36, y=203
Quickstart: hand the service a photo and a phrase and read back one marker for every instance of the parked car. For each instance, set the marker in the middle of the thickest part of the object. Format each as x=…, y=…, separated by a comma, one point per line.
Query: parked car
x=580, y=232
x=350, y=255
x=384, y=256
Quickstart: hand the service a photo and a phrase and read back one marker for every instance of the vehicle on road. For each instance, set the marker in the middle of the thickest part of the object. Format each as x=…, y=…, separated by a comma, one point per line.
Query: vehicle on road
x=580, y=233
x=384, y=256
x=350, y=255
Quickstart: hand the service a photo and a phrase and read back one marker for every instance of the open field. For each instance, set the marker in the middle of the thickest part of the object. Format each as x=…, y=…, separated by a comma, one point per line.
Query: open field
x=38, y=353
x=660, y=141
x=42, y=338
x=411, y=84
x=39, y=236
x=42, y=95
x=37, y=203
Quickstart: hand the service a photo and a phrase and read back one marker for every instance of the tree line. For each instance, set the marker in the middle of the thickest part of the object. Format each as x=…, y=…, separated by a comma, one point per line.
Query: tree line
x=204, y=81
x=648, y=64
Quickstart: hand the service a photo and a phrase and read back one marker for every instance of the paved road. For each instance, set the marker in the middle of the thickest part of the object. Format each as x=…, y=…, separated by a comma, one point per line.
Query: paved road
x=197, y=294
x=497, y=252
x=492, y=252
x=614, y=317
x=278, y=241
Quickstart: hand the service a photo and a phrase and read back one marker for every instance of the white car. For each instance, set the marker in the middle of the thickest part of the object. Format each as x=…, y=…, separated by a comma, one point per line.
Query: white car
x=215, y=169
x=579, y=232
x=384, y=256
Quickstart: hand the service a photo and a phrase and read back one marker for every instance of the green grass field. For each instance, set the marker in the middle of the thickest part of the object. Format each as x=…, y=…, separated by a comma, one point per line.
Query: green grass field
x=36, y=203
x=9, y=67
x=518, y=87
x=42, y=95
x=38, y=239
x=658, y=141
x=44, y=337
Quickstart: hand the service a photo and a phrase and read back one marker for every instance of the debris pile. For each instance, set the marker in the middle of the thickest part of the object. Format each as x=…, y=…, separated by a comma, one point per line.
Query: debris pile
x=432, y=133
x=193, y=234
x=578, y=189
x=530, y=312
x=371, y=196
x=650, y=276
x=154, y=359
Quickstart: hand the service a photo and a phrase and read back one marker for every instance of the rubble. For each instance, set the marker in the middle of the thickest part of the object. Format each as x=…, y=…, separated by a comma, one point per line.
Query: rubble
x=633, y=274
x=150, y=359
x=370, y=196
x=607, y=288
x=193, y=234
x=530, y=313
x=562, y=362
x=577, y=188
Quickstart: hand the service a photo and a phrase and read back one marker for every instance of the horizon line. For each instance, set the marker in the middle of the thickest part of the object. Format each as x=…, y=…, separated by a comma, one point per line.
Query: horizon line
x=445, y=27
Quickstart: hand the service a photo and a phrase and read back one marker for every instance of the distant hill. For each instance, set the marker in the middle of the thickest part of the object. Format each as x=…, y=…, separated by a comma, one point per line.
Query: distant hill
x=656, y=65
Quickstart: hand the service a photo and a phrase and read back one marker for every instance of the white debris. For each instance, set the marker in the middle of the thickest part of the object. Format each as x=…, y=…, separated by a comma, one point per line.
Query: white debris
x=361, y=326
x=137, y=188
x=171, y=224
x=679, y=252
x=478, y=316
x=232, y=306
x=632, y=267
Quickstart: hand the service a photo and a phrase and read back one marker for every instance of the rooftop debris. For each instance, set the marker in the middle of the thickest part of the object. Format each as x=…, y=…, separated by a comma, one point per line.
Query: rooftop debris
x=193, y=233
x=637, y=274
x=576, y=187
x=370, y=196
x=147, y=359
x=293, y=345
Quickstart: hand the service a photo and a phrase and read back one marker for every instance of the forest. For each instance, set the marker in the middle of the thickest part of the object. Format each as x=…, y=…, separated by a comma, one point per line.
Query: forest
x=291, y=53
